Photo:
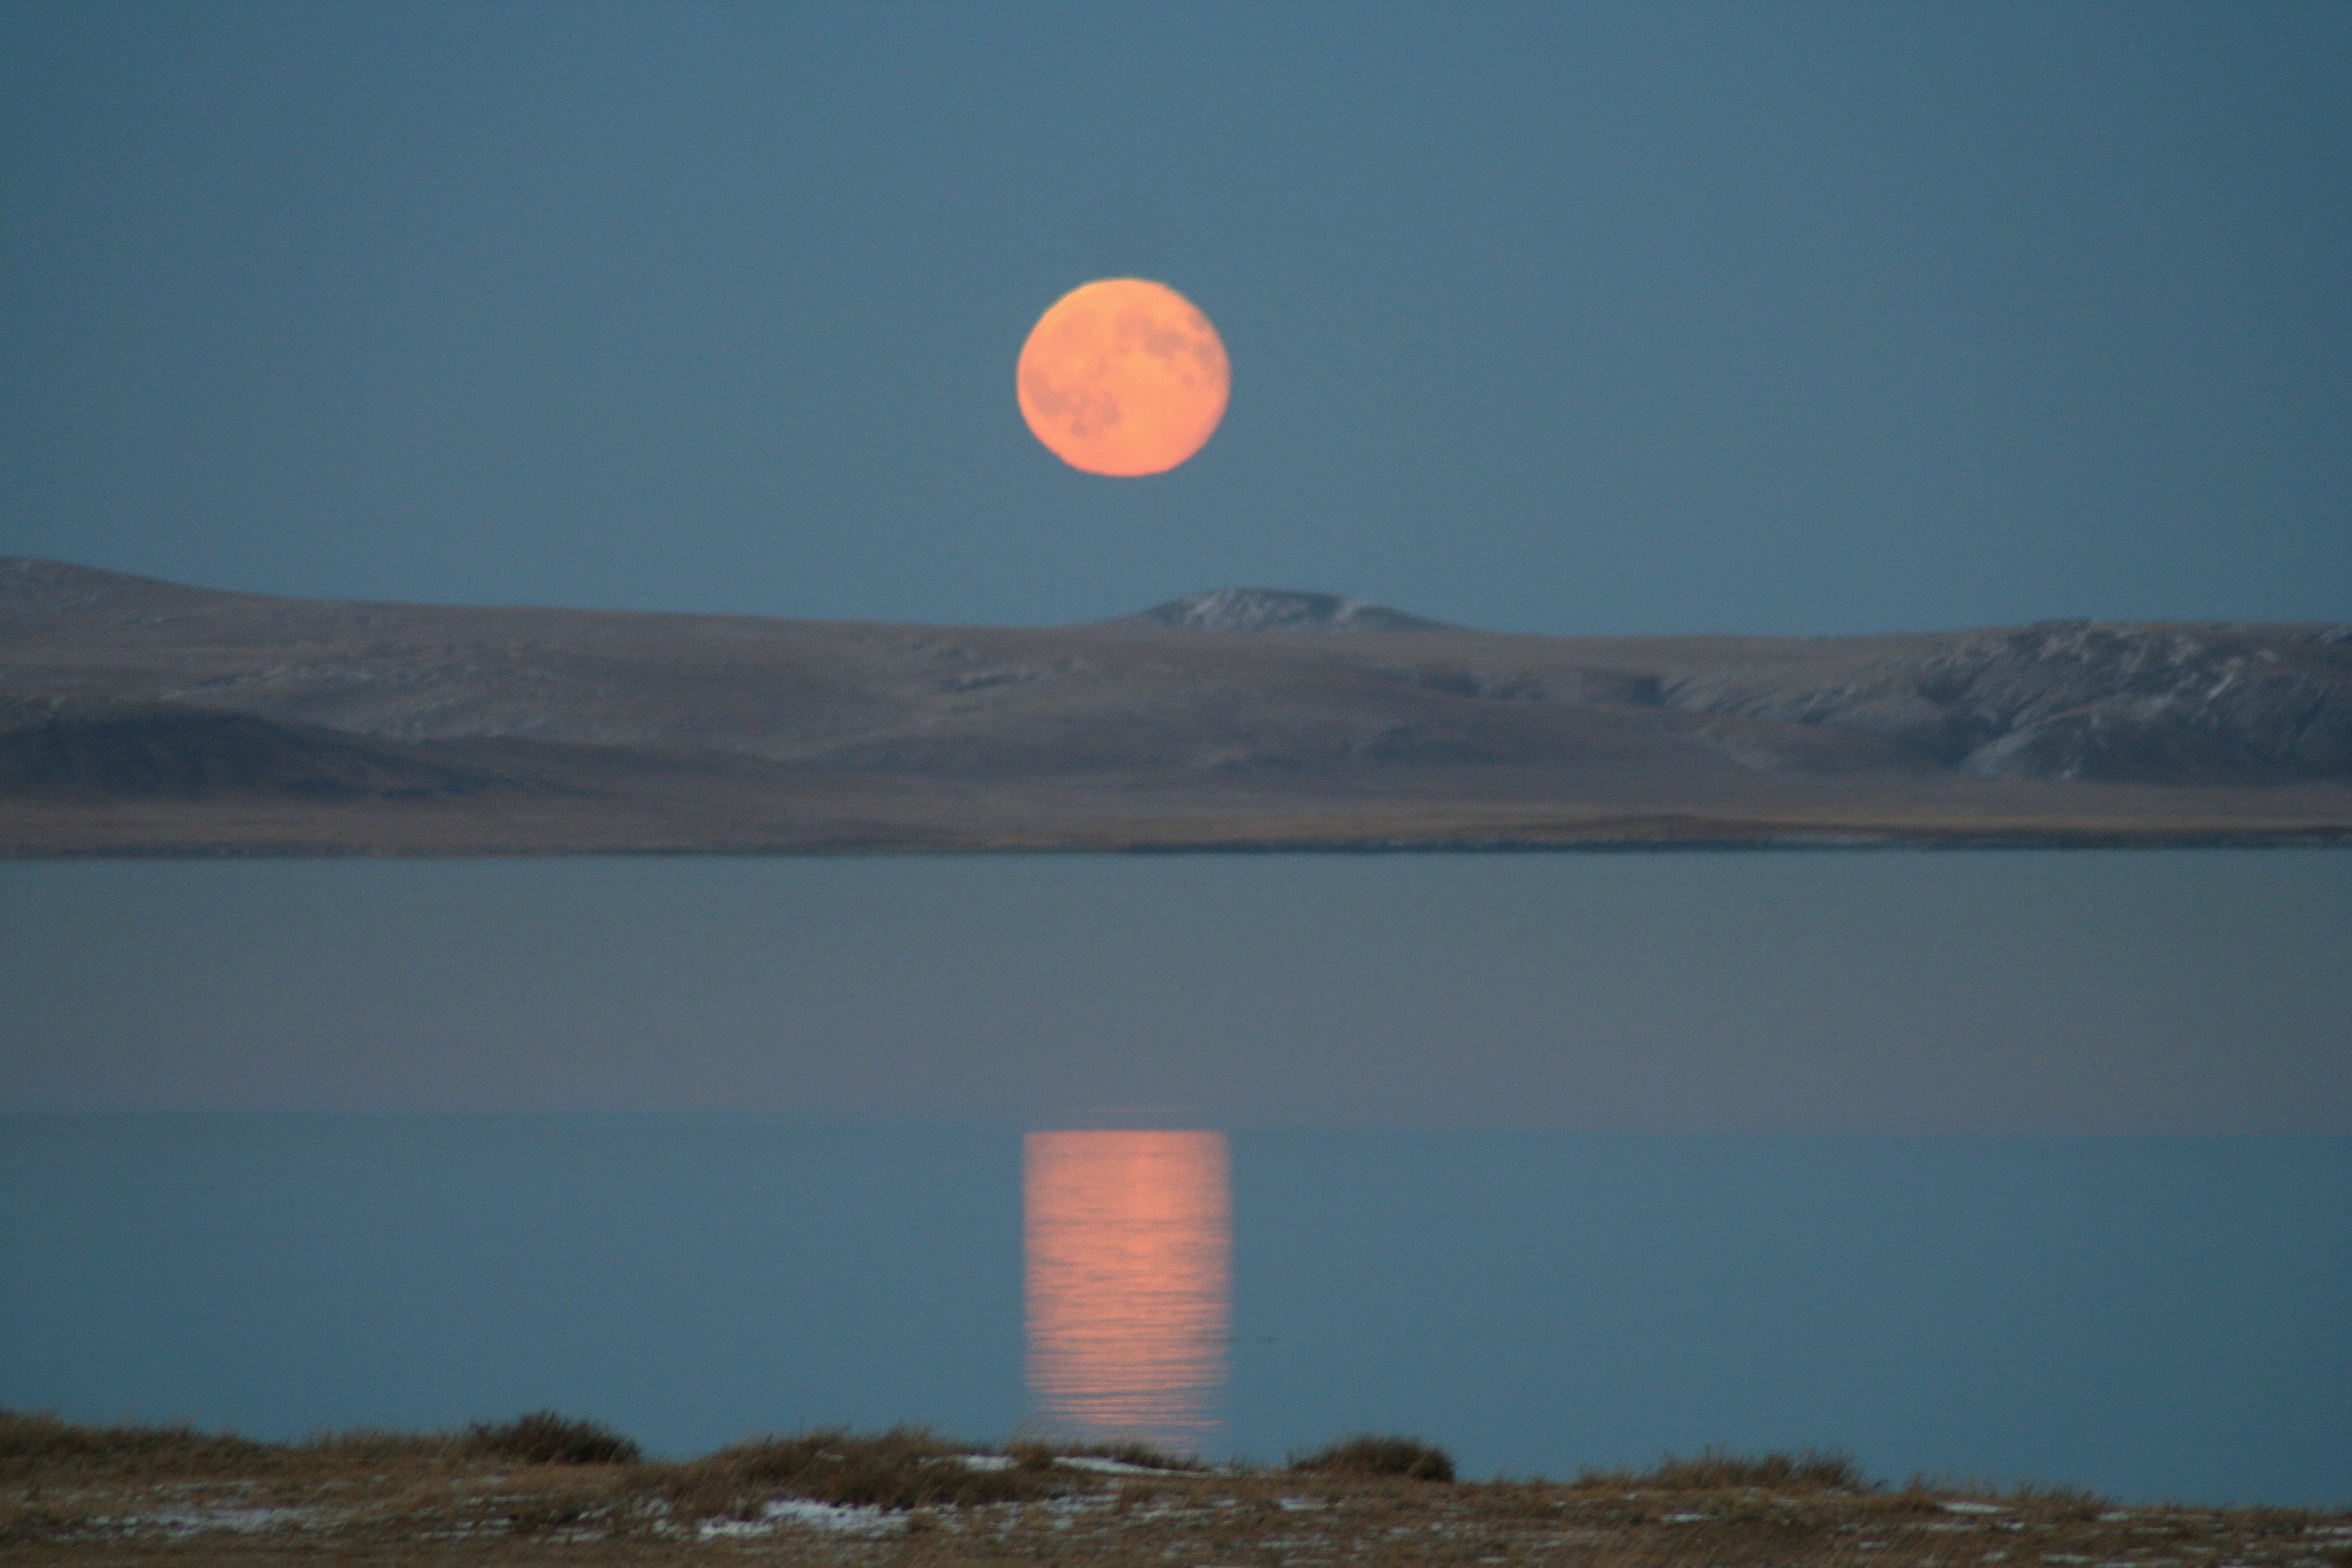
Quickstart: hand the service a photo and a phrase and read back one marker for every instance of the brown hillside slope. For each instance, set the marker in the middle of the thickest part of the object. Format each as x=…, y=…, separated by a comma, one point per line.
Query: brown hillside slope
x=1244, y=717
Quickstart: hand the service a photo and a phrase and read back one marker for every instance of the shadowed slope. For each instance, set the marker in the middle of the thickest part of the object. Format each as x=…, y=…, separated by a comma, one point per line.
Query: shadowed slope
x=161, y=750
x=1248, y=715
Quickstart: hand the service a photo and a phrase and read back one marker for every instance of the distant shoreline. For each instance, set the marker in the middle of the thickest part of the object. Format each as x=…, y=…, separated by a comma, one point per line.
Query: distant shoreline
x=140, y=719
x=2328, y=838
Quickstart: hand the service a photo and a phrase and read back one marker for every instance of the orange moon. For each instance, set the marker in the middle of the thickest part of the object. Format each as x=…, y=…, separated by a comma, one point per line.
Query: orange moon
x=1123, y=377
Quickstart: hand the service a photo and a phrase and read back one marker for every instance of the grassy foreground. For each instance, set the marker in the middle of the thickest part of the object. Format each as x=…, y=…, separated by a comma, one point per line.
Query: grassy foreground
x=546, y=1489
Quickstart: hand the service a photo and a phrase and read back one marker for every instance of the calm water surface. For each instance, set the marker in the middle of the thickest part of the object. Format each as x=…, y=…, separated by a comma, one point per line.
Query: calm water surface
x=2155, y=1316
x=2006, y=1165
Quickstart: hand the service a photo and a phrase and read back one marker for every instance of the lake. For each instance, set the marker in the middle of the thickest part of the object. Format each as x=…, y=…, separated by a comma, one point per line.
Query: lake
x=1998, y=1164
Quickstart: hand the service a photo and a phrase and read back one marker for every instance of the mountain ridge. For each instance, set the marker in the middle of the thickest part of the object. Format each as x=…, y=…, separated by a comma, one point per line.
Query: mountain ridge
x=1280, y=610
x=1230, y=706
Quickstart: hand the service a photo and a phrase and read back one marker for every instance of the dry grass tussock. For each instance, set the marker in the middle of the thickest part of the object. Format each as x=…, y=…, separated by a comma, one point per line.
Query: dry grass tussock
x=905, y=1467
x=546, y=1438
x=1714, y=1470
x=1371, y=1456
x=33, y=1444
x=548, y=1488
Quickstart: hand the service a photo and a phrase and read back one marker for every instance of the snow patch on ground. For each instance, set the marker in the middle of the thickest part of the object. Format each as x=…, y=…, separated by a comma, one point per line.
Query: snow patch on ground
x=1105, y=1466
x=840, y=1518
x=238, y=1520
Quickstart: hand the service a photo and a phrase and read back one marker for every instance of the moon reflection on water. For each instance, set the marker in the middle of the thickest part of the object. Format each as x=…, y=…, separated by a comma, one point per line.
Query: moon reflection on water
x=1129, y=1241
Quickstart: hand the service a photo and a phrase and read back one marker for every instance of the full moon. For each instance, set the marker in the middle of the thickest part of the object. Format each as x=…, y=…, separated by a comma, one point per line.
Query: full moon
x=1123, y=377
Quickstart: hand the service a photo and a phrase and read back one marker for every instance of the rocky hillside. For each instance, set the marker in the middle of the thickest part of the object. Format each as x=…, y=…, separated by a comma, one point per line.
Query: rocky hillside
x=1243, y=715
x=1281, y=610
x=2084, y=699
x=1236, y=681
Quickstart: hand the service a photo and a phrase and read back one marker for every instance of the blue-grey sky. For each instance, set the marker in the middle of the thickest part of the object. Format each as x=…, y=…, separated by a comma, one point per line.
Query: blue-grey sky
x=1604, y=318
